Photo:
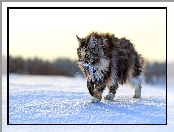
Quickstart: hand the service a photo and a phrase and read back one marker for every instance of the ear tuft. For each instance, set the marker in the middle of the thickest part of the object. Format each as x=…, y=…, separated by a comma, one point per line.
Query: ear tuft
x=79, y=39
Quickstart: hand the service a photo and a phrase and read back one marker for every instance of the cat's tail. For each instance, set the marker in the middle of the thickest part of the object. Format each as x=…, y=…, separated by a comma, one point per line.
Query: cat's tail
x=143, y=63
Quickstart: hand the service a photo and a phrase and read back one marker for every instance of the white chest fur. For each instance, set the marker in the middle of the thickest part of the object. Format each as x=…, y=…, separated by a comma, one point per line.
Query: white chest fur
x=97, y=71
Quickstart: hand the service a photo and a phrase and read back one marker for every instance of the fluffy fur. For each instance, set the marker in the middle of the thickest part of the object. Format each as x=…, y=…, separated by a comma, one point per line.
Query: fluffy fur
x=106, y=60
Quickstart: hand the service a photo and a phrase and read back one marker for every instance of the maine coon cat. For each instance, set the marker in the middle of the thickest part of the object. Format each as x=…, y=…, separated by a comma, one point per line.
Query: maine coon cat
x=106, y=60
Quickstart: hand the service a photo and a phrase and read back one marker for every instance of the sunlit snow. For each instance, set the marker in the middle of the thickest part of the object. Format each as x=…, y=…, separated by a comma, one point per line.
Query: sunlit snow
x=65, y=100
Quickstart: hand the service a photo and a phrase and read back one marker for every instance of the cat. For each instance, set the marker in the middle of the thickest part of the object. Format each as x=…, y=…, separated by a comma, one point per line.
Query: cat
x=106, y=60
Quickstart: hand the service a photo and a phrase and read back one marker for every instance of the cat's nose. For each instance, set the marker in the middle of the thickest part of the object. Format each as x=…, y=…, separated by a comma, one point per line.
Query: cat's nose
x=82, y=60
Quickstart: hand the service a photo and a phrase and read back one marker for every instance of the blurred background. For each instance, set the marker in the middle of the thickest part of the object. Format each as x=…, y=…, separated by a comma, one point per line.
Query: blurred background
x=43, y=42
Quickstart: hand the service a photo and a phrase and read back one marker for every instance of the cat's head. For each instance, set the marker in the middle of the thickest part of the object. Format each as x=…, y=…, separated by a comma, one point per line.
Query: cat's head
x=88, y=49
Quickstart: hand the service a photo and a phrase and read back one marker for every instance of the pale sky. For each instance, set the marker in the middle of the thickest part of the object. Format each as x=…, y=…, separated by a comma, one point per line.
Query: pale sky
x=50, y=33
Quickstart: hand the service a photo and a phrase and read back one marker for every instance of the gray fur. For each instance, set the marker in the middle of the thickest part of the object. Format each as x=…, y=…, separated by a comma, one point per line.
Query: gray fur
x=108, y=61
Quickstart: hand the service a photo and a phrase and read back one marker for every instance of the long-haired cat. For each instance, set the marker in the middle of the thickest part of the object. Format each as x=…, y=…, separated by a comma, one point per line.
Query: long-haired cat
x=106, y=60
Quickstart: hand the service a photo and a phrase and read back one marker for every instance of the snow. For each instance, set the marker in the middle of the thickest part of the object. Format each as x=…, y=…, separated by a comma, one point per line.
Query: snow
x=65, y=100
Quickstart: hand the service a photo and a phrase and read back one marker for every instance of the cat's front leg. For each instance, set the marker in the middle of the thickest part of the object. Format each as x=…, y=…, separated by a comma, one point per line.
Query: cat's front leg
x=95, y=90
x=90, y=86
x=112, y=92
x=98, y=90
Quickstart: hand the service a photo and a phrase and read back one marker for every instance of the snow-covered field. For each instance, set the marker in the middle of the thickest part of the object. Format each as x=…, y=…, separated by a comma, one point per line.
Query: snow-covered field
x=63, y=100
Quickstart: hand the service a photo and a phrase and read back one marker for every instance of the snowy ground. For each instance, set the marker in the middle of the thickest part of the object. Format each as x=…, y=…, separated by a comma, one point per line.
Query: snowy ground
x=63, y=100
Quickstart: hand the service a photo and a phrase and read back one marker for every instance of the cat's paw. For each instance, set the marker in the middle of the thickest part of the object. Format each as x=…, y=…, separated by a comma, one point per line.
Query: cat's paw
x=137, y=96
x=95, y=100
x=110, y=96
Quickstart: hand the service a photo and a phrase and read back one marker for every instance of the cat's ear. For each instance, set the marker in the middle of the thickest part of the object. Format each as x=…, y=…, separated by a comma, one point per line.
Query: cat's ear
x=79, y=39
x=93, y=41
